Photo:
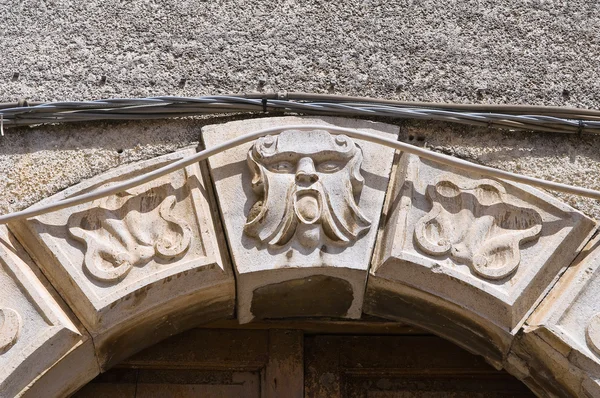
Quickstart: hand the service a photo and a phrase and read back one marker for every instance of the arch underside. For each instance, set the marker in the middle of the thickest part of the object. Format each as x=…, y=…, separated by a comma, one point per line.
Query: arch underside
x=503, y=270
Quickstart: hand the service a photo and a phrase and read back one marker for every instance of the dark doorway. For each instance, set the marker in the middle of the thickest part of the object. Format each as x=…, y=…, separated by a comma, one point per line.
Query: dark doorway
x=318, y=359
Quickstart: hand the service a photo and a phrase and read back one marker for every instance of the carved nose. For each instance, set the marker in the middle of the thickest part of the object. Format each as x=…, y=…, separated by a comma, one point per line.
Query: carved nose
x=306, y=172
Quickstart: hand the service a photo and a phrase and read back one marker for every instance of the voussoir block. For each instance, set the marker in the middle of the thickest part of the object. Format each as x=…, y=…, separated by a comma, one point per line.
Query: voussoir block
x=137, y=266
x=475, y=254
x=44, y=351
x=558, y=351
x=301, y=211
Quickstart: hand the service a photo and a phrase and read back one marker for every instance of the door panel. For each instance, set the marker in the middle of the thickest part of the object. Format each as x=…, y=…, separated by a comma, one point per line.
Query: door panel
x=210, y=363
x=399, y=367
x=160, y=384
x=180, y=383
x=285, y=363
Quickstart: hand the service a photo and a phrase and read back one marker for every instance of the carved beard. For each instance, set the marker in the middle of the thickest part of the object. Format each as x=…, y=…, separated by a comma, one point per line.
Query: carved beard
x=287, y=208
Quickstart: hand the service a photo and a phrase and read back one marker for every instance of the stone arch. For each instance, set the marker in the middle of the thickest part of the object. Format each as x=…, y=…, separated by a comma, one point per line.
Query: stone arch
x=301, y=225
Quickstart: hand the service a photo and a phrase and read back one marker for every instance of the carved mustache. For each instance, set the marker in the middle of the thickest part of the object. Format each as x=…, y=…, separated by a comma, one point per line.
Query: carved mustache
x=310, y=206
x=274, y=218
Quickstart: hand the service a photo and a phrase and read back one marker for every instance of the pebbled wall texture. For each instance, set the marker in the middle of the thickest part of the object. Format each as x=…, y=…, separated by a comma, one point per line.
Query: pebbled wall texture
x=536, y=52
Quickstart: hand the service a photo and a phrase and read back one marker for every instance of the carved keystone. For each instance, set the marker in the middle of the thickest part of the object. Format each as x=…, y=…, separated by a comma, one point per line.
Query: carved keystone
x=137, y=266
x=300, y=210
x=474, y=253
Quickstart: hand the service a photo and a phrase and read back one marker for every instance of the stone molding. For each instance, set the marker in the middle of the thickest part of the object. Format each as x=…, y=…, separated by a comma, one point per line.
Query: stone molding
x=562, y=334
x=317, y=225
x=486, y=250
x=44, y=346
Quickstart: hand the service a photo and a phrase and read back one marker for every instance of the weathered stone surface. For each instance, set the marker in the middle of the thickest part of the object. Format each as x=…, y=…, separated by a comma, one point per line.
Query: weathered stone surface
x=137, y=266
x=401, y=302
x=300, y=205
x=475, y=254
x=562, y=334
x=38, y=334
x=481, y=250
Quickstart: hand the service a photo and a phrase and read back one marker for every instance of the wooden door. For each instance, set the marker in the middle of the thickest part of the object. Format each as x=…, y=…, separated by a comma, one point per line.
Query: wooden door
x=211, y=363
x=400, y=367
x=292, y=363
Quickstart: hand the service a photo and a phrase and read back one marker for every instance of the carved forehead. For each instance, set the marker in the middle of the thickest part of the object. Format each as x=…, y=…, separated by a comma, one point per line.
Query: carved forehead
x=296, y=143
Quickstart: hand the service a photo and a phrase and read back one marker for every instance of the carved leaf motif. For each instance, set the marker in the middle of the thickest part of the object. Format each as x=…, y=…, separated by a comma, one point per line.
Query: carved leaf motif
x=475, y=223
x=129, y=230
x=10, y=328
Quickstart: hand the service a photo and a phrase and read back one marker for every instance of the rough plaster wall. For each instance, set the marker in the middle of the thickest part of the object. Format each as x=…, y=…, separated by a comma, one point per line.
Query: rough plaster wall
x=511, y=51
x=529, y=52
x=38, y=162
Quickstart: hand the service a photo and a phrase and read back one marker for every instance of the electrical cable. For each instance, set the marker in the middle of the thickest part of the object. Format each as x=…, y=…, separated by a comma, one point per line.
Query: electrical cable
x=512, y=117
x=494, y=108
x=206, y=153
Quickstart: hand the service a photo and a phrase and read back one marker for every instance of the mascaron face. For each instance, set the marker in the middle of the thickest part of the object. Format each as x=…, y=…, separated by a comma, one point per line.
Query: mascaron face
x=308, y=183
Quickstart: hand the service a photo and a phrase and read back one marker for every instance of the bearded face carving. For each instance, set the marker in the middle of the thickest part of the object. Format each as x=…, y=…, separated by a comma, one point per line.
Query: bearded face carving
x=308, y=183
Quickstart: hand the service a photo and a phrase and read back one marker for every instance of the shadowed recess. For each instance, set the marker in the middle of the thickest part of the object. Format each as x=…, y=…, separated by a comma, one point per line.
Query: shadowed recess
x=314, y=296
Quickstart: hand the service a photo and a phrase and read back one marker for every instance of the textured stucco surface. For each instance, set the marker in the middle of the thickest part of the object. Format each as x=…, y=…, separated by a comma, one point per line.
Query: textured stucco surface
x=529, y=52
x=38, y=162
x=462, y=51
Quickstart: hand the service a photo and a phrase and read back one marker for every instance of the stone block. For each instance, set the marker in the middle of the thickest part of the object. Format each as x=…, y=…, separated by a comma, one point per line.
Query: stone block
x=479, y=252
x=301, y=211
x=140, y=265
x=565, y=328
x=43, y=348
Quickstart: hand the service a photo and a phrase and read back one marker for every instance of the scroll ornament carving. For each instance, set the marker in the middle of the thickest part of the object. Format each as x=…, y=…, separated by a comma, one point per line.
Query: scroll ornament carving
x=592, y=334
x=129, y=230
x=10, y=328
x=308, y=183
x=475, y=223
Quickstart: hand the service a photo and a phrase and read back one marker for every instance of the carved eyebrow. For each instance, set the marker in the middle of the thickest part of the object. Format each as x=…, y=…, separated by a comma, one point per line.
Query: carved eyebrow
x=294, y=156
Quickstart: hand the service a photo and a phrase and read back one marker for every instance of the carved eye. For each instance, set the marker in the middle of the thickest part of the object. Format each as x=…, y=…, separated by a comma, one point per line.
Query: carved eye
x=329, y=167
x=282, y=167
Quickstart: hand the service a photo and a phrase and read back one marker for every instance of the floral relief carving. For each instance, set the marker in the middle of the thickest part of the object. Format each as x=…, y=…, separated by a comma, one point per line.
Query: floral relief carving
x=308, y=183
x=10, y=328
x=128, y=230
x=476, y=223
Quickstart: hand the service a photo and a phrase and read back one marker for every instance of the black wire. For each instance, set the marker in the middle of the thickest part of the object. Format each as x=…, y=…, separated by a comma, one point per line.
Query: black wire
x=513, y=117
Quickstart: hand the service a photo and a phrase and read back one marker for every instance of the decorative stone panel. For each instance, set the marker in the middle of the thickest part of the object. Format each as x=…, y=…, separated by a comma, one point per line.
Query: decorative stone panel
x=43, y=349
x=139, y=265
x=479, y=261
x=562, y=336
x=301, y=211
x=475, y=253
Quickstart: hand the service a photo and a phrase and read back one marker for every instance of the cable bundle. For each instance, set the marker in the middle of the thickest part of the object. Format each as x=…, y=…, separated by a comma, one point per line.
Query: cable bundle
x=513, y=117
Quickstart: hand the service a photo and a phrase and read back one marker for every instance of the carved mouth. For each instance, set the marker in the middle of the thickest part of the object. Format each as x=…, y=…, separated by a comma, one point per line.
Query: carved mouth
x=307, y=205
